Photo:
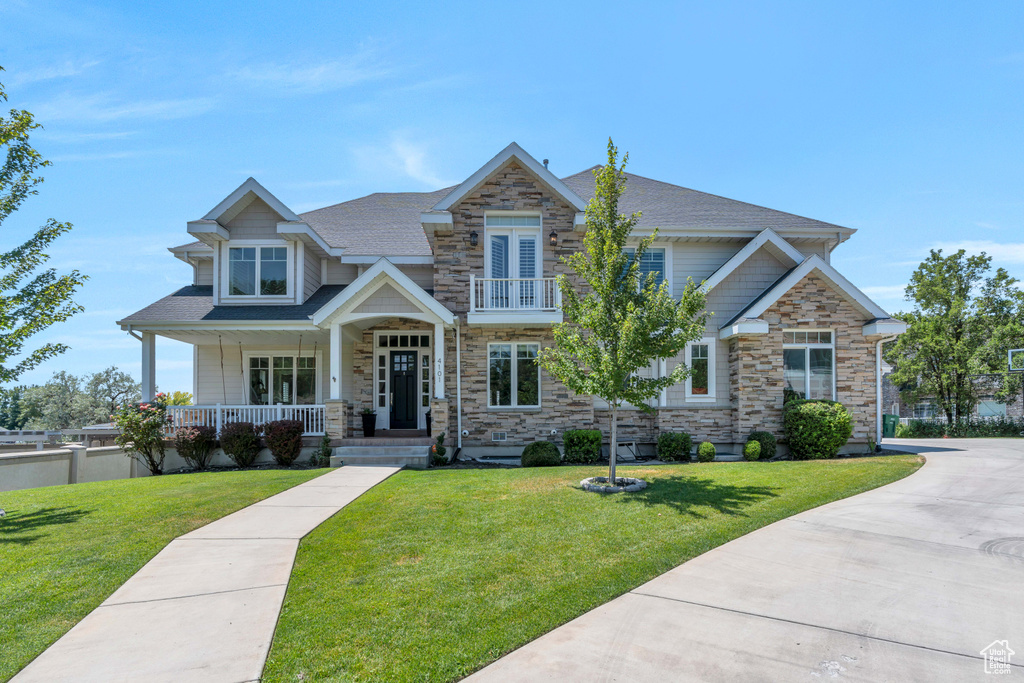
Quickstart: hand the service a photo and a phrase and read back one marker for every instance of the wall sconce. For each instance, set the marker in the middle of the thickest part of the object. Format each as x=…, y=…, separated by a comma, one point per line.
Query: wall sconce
x=473, y=238
x=554, y=238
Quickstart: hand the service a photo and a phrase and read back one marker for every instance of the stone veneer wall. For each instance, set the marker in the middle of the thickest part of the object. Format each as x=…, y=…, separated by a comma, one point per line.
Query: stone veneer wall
x=336, y=417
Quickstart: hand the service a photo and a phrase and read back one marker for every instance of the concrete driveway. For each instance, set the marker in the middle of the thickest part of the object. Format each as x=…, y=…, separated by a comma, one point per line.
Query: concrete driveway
x=909, y=582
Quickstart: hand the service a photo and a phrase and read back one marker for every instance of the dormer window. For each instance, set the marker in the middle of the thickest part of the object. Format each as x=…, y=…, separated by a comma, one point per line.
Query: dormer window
x=258, y=271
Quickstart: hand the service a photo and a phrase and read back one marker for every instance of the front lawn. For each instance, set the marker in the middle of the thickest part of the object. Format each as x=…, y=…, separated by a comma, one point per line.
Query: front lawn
x=433, y=574
x=65, y=549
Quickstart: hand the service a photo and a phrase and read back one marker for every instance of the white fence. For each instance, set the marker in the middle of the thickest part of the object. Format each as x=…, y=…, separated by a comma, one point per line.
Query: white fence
x=311, y=416
x=514, y=294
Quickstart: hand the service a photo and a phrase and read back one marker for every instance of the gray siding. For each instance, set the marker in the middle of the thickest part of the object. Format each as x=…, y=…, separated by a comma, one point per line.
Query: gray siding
x=311, y=272
x=698, y=260
x=256, y=221
x=387, y=299
x=744, y=285
x=340, y=273
x=210, y=390
x=204, y=272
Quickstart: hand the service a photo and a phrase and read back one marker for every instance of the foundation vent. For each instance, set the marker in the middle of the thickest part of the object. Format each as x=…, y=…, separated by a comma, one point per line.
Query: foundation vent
x=499, y=436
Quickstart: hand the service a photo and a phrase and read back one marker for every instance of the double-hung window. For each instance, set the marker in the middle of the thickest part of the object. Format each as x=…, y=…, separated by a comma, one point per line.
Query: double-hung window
x=257, y=271
x=808, y=364
x=653, y=261
x=513, y=261
x=700, y=358
x=290, y=380
x=513, y=375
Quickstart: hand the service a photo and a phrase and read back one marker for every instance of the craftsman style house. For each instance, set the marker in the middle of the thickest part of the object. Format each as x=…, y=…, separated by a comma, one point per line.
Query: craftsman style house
x=433, y=306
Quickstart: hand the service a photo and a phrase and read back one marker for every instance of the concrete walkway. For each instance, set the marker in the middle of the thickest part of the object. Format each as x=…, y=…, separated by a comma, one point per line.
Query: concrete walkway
x=205, y=608
x=908, y=582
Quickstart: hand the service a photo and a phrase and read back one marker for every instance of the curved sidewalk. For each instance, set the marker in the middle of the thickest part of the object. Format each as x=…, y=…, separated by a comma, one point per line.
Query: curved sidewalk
x=205, y=608
x=909, y=582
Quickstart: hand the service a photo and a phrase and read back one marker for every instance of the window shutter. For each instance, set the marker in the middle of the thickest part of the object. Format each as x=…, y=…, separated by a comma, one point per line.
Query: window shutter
x=527, y=257
x=499, y=256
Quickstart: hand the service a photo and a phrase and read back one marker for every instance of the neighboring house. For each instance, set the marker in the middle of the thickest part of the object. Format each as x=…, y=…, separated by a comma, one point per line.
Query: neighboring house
x=927, y=408
x=437, y=303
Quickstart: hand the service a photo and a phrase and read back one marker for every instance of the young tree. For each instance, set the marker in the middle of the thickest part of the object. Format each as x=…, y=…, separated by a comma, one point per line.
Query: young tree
x=32, y=298
x=962, y=324
x=622, y=322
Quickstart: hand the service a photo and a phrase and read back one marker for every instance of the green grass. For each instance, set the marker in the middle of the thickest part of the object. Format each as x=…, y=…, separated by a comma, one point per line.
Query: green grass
x=65, y=549
x=431, y=575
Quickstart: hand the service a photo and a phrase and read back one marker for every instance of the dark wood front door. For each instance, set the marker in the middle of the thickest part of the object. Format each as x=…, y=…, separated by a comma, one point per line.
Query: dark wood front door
x=403, y=390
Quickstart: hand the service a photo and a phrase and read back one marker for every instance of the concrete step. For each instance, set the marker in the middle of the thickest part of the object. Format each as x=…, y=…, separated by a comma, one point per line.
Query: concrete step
x=414, y=462
x=408, y=456
x=383, y=450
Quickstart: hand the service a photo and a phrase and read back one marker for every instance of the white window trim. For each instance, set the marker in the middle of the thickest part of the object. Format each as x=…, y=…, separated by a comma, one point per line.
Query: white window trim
x=807, y=356
x=384, y=414
x=667, y=246
x=225, y=272
x=712, y=375
x=513, y=233
x=293, y=353
x=515, y=377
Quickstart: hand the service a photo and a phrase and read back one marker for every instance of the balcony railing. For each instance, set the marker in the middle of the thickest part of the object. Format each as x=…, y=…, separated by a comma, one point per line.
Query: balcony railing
x=312, y=416
x=514, y=294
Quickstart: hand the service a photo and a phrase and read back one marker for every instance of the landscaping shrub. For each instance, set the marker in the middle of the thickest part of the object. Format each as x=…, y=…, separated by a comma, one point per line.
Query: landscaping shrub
x=322, y=455
x=438, y=453
x=141, y=427
x=284, y=439
x=195, y=445
x=241, y=441
x=582, y=445
x=541, y=454
x=705, y=451
x=769, y=446
x=816, y=428
x=752, y=450
x=674, y=446
x=902, y=431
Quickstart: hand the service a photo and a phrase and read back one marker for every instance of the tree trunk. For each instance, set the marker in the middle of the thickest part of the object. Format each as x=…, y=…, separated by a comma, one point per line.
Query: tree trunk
x=612, y=448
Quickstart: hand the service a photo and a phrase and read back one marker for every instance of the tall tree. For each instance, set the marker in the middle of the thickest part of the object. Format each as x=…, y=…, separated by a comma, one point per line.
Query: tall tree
x=58, y=404
x=622, y=322
x=110, y=388
x=32, y=298
x=962, y=324
x=11, y=414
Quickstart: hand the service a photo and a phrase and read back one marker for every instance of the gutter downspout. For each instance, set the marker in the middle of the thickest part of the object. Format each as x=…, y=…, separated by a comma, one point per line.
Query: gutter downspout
x=878, y=389
x=458, y=383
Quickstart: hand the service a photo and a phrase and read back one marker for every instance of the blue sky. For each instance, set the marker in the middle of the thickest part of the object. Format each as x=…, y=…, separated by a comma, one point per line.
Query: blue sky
x=903, y=120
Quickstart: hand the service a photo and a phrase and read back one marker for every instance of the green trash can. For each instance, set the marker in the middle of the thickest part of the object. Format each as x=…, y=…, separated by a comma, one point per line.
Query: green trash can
x=889, y=423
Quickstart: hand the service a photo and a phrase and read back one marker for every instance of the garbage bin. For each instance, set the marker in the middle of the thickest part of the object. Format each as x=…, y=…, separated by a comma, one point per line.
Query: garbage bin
x=889, y=423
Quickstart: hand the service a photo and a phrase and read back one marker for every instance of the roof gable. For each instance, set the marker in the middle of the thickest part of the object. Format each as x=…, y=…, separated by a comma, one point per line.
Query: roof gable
x=500, y=160
x=767, y=239
x=233, y=204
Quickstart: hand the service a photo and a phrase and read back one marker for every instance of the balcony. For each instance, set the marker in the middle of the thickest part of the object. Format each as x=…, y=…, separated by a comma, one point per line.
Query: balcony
x=520, y=301
x=312, y=416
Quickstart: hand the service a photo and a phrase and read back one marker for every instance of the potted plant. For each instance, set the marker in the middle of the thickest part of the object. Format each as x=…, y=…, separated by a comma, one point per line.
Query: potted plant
x=369, y=422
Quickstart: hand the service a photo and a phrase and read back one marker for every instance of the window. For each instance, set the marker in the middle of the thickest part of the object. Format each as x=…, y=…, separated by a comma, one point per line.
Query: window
x=808, y=364
x=513, y=376
x=989, y=407
x=653, y=261
x=700, y=357
x=513, y=252
x=282, y=379
x=924, y=411
x=267, y=266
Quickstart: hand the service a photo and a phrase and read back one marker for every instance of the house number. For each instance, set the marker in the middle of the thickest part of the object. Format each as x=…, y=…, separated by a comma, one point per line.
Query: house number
x=439, y=371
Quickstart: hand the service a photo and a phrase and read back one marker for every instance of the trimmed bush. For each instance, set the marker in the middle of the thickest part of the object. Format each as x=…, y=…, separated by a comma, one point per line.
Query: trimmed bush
x=241, y=441
x=816, y=429
x=972, y=427
x=705, y=451
x=438, y=453
x=674, y=446
x=752, y=450
x=284, y=439
x=582, y=446
x=769, y=446
x=195, y=445
x=322, y=455
x=541, y=454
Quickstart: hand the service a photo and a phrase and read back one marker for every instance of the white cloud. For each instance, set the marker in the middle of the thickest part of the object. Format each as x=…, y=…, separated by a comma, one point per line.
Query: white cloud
x=46, y=73
x=401, y=157
x=1001, y=252
x=103, y=108
x=74, y=138
x=296, y=77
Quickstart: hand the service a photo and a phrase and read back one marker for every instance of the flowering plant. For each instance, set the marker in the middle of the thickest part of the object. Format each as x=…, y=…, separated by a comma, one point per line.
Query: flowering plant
x=142, y=428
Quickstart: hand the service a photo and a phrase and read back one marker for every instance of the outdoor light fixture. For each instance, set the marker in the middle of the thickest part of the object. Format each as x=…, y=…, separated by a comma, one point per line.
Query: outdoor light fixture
x=554, y=238
x=473, y=238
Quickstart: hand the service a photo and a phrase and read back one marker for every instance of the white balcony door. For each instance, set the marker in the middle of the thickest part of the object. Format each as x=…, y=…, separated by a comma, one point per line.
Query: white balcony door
x=513, y=255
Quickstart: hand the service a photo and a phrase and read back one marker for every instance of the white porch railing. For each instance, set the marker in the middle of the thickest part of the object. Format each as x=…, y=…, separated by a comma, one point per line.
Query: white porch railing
x=514, y=294
x=312, y=416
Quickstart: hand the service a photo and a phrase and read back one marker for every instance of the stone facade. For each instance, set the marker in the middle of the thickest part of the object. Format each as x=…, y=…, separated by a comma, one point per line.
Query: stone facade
x=336, y=417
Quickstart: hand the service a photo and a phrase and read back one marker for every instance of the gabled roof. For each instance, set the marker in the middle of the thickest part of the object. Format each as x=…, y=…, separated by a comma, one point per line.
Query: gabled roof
x=513, y=151
x=383, y=272
x=239, y=199
x=770, y=240
x=665, y=205
x=813, y=263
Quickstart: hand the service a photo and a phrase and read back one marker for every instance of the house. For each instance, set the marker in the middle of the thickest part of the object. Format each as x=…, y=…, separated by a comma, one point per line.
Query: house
x=433, y=306
x=926, y=408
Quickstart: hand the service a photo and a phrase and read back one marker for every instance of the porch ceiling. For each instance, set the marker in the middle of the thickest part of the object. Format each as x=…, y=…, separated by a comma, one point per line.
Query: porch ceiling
x=248, y=337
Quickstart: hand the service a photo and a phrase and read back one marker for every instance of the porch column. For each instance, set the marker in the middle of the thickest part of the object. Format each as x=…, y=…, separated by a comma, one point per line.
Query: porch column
x=438, y=360
x=148, y=366
x=335, y=365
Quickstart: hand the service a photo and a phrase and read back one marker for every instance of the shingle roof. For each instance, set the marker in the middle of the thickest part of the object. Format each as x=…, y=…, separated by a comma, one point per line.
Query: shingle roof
x=195, y=304
x=665, y=205
x=380, y=224
x=193, y=245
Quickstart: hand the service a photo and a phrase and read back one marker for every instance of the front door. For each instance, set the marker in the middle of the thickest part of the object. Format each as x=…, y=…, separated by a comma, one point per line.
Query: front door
x=403, y=390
